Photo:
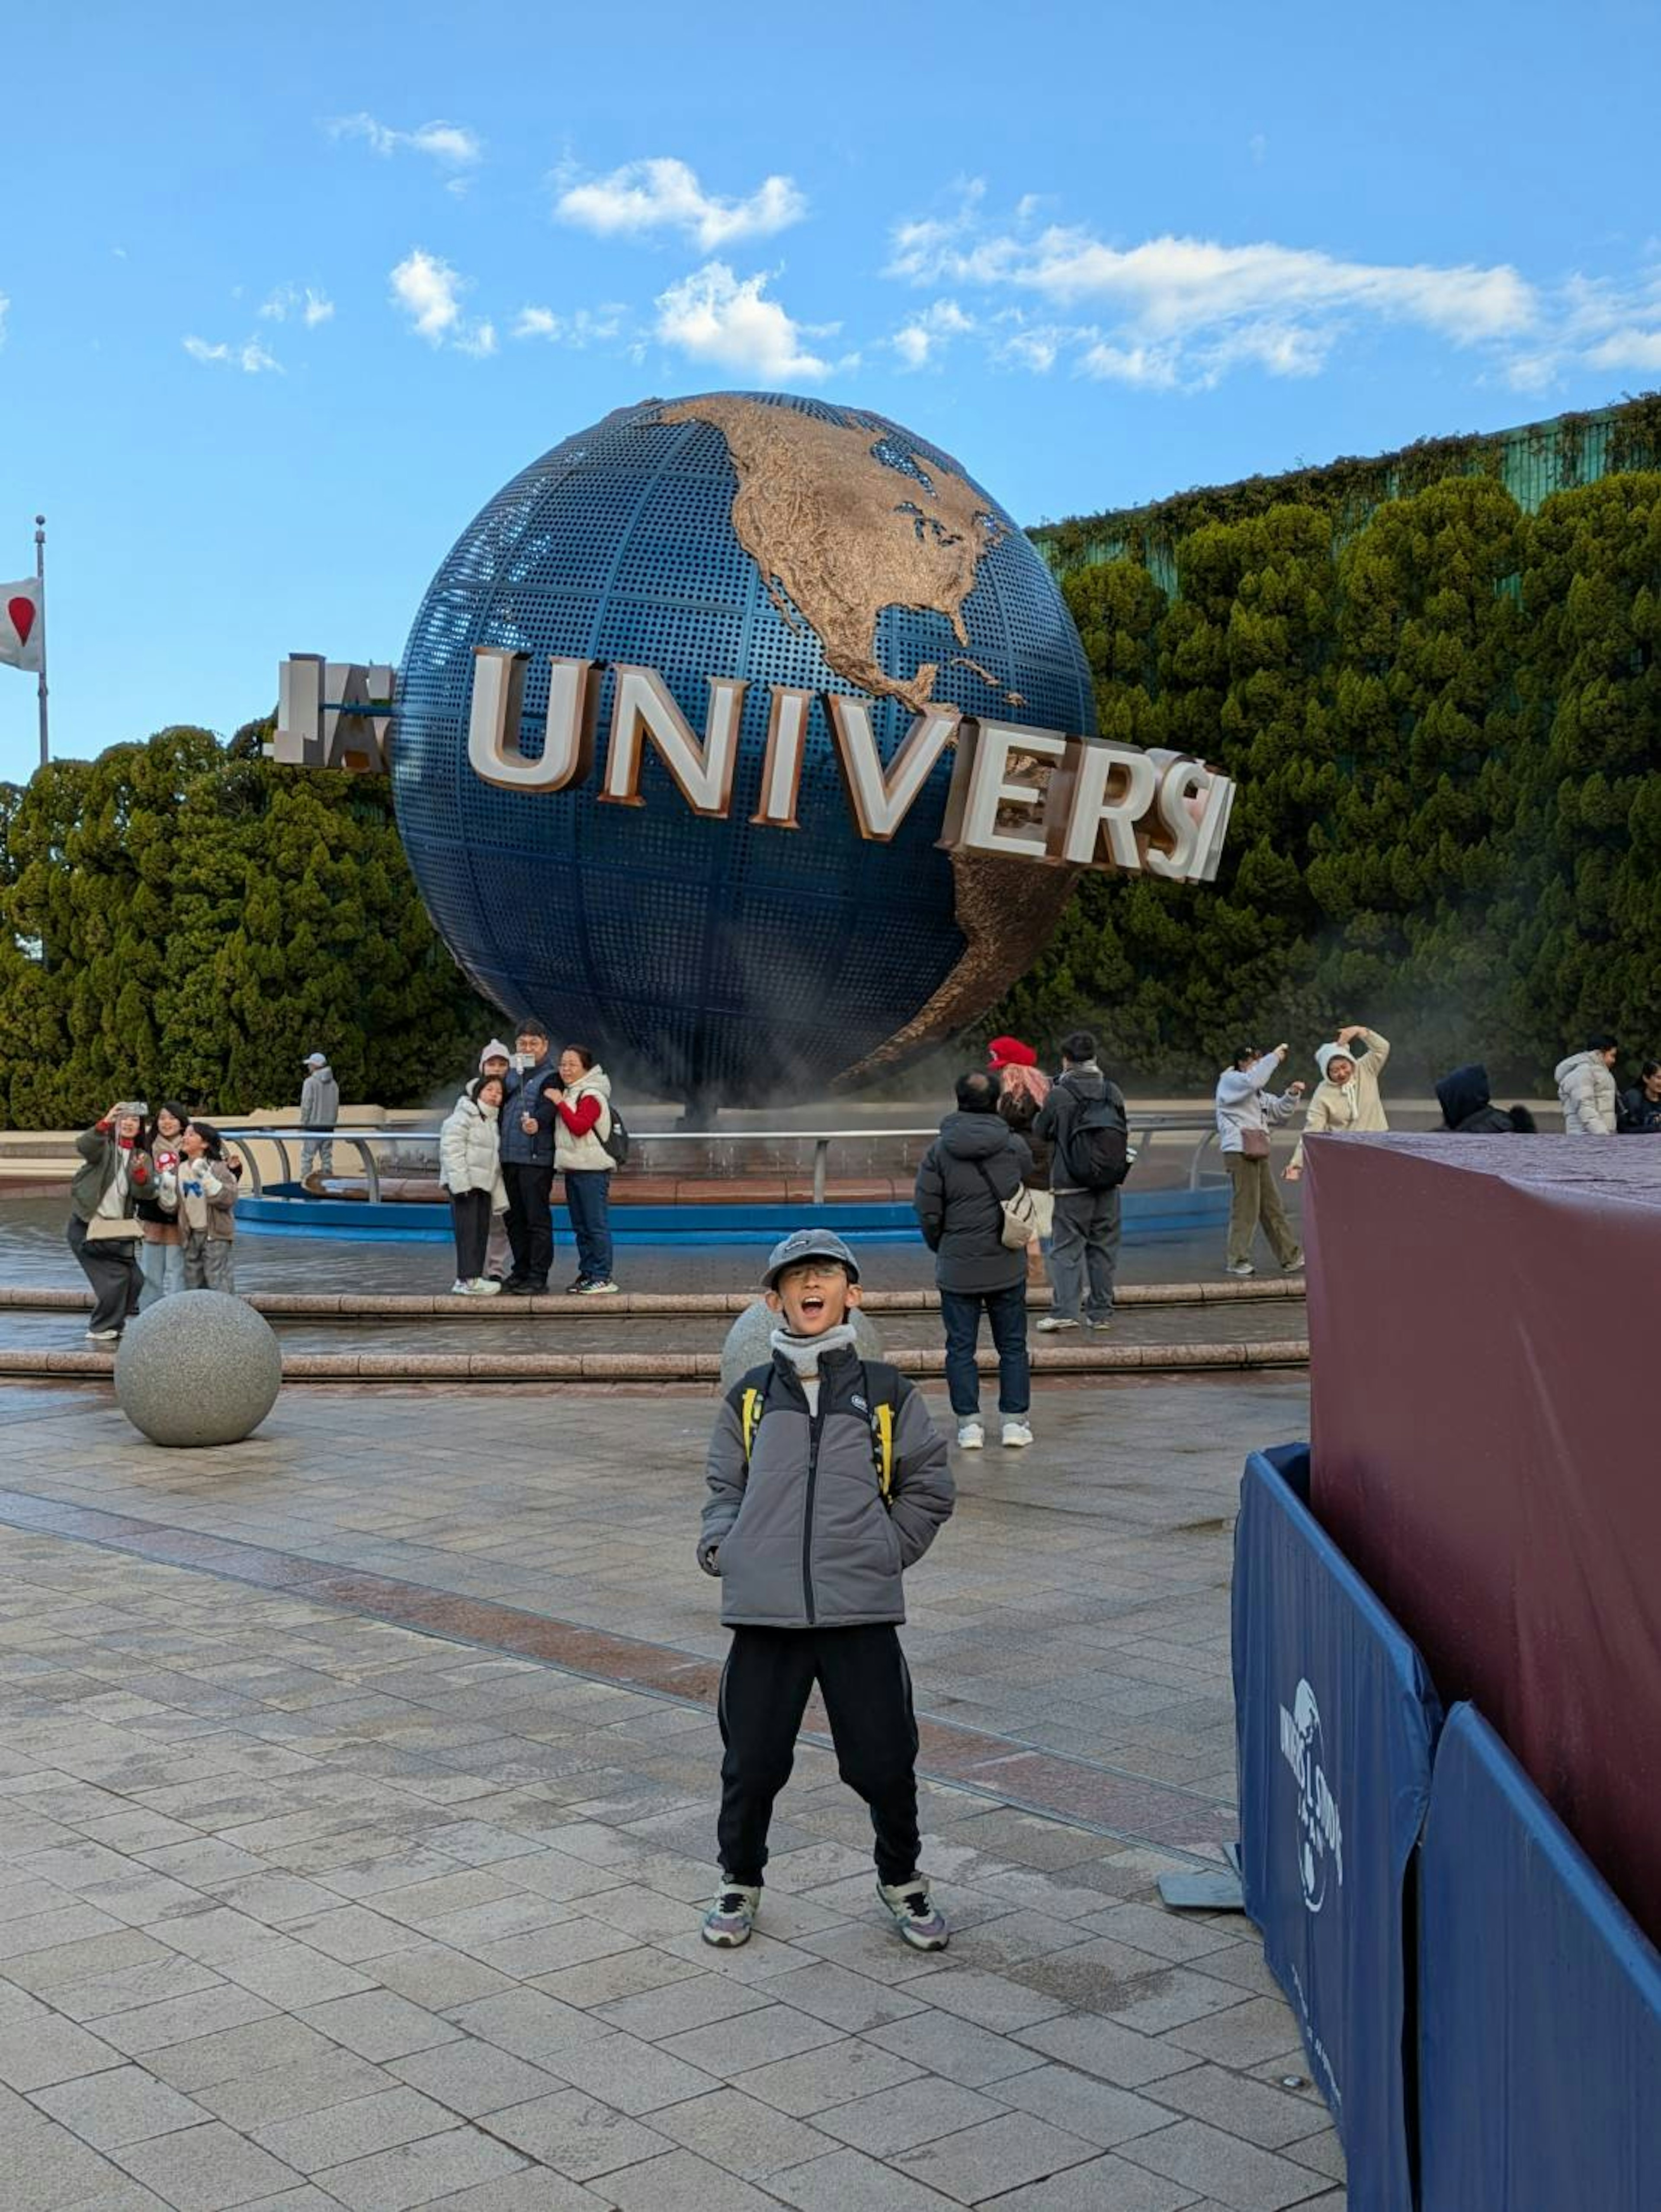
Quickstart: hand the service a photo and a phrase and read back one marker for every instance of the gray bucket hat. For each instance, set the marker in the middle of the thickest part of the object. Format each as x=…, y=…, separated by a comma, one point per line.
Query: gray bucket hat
x=808, y=1244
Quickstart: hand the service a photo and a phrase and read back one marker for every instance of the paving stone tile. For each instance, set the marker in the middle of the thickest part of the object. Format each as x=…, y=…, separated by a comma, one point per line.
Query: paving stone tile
x=697, y=2002
x=918, y=2112
x=848, y=2181
x=804, y=2086
x=205, y=2169
x=577, y=2136
x=740, y=2133
x=1245, y=2035
x=433, y=1975
x=1323, y=2151
x=151, y=1984
x=625, y=1974
x=122, y=2105
x=1236, y=2174
x=1179, y=1937
x=38, y=2048
x=47, y=2170
x=636, y=2077
x=994, y=2155
x=956, y=2048
x=533, y=2188
x=379, y=2025
x=1270, y=2117
x=273, y=1966
x=850, y=2001
x=1172, y=1998
x=1103, y=2047
x=473, y=2077
x=544, y=1949
x=525, y=2022
x=732, y=2045
x=989, y=2000
x=235, y=2052
x=354, y=2130
x=679, y=2181
x=285, y=2092
x=1083, y=2106
x=424, y=2173
x=83, y=1960
x=71, y=1923
x=1106, y=2185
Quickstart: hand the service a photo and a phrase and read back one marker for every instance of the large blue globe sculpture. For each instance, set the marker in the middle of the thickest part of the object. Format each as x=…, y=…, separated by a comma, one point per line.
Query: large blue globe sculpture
x=714, y=959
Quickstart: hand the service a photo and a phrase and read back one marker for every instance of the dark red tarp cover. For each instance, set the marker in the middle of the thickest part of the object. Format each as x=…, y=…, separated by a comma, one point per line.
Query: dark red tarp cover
x=1485, y=1331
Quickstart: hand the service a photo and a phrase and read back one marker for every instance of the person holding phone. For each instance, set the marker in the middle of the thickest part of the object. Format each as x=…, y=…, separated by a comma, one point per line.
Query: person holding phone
x=104, y=1230
x=527, y=1159
x=161, y=1255
x=1247, y=1110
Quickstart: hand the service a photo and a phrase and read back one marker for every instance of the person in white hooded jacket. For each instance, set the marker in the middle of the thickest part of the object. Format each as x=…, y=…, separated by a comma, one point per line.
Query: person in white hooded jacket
x=582, y=1122
x=1586, y=1089
x=470, y=1168
x=495, y=1060
x=1347, y=1096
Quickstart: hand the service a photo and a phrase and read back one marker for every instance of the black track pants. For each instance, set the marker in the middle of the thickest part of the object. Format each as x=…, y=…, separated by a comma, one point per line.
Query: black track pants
x=867, y=1688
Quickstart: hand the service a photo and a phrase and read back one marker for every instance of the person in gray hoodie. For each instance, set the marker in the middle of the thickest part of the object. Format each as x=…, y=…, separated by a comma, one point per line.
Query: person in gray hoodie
x=1247, y=1110
x=827, y=1481
x=974, y=1164
x=319, y=1109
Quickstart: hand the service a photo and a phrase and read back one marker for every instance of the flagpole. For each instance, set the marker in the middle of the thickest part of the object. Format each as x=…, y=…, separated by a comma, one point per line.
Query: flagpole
x=41, y=616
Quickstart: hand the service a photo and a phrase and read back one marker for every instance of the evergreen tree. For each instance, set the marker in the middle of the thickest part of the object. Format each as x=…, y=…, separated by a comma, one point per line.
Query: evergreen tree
x=179, y=917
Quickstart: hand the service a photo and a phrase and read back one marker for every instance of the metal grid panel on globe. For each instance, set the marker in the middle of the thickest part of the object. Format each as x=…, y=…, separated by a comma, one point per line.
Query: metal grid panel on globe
x=712, y=954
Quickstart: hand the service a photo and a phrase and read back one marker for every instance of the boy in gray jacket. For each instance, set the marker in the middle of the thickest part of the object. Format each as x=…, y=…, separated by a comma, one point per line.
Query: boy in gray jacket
x=827, y=1479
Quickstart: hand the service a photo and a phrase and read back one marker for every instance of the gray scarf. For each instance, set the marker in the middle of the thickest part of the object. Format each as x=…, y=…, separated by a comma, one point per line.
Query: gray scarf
x=805, y=1353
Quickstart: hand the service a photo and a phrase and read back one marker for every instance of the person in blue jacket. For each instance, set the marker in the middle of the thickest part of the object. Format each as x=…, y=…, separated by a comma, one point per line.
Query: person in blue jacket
x=527, y=1159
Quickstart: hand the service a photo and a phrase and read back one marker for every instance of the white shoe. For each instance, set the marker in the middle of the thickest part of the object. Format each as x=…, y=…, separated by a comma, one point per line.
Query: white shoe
x=1052, y=1323
x=103, y=1336
x=971, y=1436
x=483, y=1286
x=917, y=1917
x=1294, y=1265
x=1017, y=1435
x=1240, y=1267
x=606, y=1290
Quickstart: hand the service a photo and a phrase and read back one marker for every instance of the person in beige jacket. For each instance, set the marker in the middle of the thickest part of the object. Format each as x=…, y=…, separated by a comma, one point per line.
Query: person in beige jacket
x=1347, y=1096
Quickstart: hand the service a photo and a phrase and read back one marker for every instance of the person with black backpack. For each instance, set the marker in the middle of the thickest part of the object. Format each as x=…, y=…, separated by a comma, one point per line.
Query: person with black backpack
x=1083, y=1119
x=589, y=1142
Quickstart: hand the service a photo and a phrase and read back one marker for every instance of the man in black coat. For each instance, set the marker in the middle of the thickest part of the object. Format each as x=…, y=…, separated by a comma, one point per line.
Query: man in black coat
x=974, y=1165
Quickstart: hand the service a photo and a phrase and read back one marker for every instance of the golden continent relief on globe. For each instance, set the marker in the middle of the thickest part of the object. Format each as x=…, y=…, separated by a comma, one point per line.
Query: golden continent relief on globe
x=841, y=534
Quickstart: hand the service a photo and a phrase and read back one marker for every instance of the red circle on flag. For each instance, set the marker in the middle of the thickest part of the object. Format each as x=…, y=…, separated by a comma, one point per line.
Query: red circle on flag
x=22, y=611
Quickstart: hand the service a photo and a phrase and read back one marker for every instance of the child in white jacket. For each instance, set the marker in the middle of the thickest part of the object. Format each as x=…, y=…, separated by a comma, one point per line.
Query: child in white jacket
x=470, y=1168
x=201, y=1189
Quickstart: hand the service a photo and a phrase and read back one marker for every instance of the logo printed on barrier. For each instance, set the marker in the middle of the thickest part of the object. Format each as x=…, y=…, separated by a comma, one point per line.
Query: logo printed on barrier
x=1320, y=1830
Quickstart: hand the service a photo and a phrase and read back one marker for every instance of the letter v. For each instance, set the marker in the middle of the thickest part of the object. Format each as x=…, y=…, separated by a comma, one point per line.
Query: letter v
x=881, y=801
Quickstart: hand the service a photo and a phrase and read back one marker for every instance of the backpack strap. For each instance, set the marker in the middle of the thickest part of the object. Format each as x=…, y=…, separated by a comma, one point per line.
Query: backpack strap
x=752, y=1404
x=882, y=1391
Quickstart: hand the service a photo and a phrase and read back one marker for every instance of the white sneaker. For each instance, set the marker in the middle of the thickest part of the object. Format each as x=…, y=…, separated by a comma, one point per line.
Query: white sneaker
x=1051, y=1322
x=1294, y=1265
x=1240, y=1267
x=729, y=1920
x=458, y=1289
x=1017, y=1435
x=971, y=1436
x=606, y=1290
x=103, y=1336
x=483, y=1286
x=917, y=1917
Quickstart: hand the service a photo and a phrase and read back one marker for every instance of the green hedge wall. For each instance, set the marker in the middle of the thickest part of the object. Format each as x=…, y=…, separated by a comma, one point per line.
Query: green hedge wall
x=1445, y=725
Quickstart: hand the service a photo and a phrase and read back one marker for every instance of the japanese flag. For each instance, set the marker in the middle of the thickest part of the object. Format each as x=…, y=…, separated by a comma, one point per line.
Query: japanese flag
x=21, y=636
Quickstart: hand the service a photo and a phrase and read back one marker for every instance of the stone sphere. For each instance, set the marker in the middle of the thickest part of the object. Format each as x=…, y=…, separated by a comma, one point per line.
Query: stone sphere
x=198, y=1368
x=749, y=1342
x=774, y=540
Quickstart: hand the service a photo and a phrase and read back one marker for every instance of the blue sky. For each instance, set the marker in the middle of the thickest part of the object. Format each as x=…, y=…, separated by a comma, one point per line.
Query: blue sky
x=287, y=297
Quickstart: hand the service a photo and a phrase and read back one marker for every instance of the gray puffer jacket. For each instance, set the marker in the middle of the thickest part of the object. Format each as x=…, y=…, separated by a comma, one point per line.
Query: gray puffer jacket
x=975, y=1163
x=802, y=1536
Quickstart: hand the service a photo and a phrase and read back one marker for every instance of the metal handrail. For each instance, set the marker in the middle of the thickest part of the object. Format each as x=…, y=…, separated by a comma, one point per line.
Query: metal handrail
x=1141, y=1125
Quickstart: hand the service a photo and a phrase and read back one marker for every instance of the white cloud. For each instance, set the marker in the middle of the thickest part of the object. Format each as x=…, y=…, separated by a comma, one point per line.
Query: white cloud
x=452, y=145
x=250, y=356
x=429, y=292
x=288, y=301
x=1627, y=349
x=713, y=316
x=665, y=194
x=582, y=326
x=926, y=336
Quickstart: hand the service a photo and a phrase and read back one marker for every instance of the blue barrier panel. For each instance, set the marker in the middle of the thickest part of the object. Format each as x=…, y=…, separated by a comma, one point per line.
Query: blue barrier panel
x=1540, y=2003
x=1337, y=1722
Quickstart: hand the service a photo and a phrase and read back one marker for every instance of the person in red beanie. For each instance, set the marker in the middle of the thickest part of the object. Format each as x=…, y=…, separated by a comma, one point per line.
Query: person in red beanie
x=1023, y=1086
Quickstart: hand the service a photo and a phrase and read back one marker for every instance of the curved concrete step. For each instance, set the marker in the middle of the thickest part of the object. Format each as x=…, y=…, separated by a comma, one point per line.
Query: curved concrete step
x=920, y=1362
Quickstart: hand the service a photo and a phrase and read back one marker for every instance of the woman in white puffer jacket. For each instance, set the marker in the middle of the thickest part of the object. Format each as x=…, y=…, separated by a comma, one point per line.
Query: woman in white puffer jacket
x=582, y=1123
x=470, y=1168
